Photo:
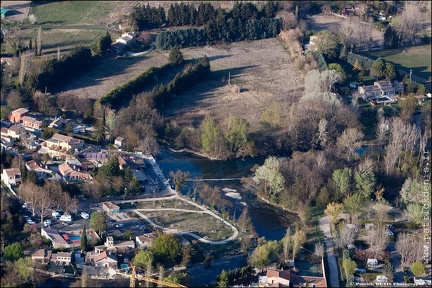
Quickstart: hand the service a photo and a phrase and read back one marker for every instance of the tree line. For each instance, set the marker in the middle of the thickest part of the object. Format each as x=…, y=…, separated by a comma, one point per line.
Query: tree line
x=163, y=94
x=182, y=14
x=122, y=93
x=223, y=31
x=55, y=71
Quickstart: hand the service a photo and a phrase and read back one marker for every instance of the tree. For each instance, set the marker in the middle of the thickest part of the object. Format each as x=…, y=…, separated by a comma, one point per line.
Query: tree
x=365, y=183
x=377, y=69
x=269, y=174
x=342, y=179
x=410, y=247
x=391, y=39
x=349, y=266
x=25, y=269
x=223, y=279
x=319, y=250
x=237, y=134
x=175, y=56
x=338, y=68
x=390, y=71
x=332, y=211
x=211, y=137
x=84, y=277
x=418, y=268
x=12, y=252
x=265, y=253
x=298, y=239
x=166, y=248
x=38, y=48
x=179, y=178
x=84, y=244
x=287, y=244
x=377, y=240
x=102, y=45
x=388, y=271
x=142, y=258
x=98, y=222
x=350, y=141
x=353, y=204
x=408, y=106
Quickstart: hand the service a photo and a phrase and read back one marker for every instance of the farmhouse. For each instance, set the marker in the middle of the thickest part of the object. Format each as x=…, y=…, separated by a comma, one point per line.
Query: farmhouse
x=120, y=43
x=382, y=92
x=16, y=115
x=41, y=256
x=11, y=176
x=104, y=259
x=119, y=141
x=110, y=208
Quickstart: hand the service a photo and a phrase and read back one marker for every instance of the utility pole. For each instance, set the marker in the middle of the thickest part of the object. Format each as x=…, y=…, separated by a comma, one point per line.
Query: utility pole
x=229, y=78
x=410, y=74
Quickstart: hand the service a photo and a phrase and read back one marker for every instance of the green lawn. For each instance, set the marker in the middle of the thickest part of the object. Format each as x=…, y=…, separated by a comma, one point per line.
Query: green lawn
x=73, y=12
x=417, y=58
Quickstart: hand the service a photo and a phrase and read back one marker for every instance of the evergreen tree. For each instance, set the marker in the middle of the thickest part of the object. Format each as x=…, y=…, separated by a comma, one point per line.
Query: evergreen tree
x=84, y=244
x=175, y=56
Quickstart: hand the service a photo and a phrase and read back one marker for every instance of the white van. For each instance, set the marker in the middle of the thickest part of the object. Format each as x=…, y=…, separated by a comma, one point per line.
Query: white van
x=85, y=215
x=47, y=223
x=372, y=262
x=66, y=218
x=55, y=214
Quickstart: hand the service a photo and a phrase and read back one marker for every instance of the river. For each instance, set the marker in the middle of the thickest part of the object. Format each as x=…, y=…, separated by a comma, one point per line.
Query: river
x=269, y=221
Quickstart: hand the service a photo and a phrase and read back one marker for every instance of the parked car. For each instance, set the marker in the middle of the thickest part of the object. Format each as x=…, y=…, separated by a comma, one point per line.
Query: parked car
x=85, y=215
x=66, y=218
x=30, y=221
x=55, y=214
x=47, y=223
x=359, y=270
x=119, y=225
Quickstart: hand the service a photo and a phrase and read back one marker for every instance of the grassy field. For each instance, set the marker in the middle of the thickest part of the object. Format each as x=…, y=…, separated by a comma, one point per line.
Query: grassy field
x=167, y=204
x=203, y=225
x=417, y=58
x=73, y=12
x=263, y=70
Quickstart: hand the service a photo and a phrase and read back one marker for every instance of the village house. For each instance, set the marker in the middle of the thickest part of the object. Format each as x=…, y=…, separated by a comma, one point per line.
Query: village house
x=97, y=158
x=13, y=131
x=75, y=173
x=110, y=208
x=64, y=142
x=107, y=260
x=40, y=172
x=122, y=163
x=57, y=240
x=16, y=115
x=31, y=122
x=286, y=278
x=6, y=143
x=59, y=123
x=119, y=142
x=41, y=256
x=11, y=176
x=62, y=258
x=145, y=240
x=120, y=43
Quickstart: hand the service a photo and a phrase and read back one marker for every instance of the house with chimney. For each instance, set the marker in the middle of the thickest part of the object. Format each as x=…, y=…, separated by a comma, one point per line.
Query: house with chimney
x=31, y=122
x=73, y=172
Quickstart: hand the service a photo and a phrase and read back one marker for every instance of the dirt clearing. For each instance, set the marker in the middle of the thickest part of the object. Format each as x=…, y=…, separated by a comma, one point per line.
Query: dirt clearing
x=19, y=10
x=262, y=70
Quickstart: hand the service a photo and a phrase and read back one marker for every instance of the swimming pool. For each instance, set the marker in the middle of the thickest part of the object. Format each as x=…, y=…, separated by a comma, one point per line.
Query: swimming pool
x=75, y=238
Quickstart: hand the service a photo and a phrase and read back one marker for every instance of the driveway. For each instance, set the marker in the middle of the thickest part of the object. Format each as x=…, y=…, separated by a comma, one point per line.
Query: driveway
x=395, y=260
x=333, y=273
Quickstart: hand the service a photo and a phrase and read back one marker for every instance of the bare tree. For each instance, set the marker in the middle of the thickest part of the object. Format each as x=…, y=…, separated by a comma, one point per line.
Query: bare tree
x=410, y=247
x=408, y=24
x=377, y=240
x=350, y=141
x=30, y=193
x=39, y=41
x=287, y=244
x=319, y=250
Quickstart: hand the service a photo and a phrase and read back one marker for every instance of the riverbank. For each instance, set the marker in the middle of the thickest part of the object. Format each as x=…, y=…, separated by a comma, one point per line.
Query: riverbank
x=196, y=153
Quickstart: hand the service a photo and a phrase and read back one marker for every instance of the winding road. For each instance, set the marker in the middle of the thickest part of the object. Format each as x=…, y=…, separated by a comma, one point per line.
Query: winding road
x=168, y=193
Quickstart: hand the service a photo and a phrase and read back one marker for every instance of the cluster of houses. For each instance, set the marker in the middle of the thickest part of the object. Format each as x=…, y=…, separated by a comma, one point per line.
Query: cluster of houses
x=107, y=258
x=381, y=92
x=77, y=157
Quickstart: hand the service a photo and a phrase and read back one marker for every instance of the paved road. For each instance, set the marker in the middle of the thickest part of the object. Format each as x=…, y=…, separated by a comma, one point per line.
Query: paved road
x=333, y=280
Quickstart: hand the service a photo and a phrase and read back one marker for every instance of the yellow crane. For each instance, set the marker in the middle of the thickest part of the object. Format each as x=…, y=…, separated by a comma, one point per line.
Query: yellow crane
x=134, y=277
